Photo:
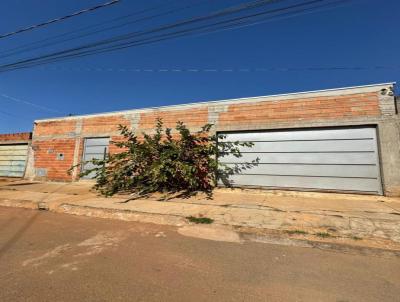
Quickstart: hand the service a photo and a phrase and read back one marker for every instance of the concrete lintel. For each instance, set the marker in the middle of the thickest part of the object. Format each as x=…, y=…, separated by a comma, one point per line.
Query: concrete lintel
x=296, y=124
x=82, y=135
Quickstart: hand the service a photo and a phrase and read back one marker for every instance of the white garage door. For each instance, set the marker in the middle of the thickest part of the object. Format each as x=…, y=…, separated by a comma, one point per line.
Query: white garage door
x=13, y=160
x=331, y=159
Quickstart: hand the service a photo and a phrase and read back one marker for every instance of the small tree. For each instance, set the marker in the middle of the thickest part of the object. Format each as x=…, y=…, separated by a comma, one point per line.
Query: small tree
x=164, y=163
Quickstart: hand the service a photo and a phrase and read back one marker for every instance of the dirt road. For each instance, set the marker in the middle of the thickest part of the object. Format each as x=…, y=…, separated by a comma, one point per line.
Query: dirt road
x=54, y=257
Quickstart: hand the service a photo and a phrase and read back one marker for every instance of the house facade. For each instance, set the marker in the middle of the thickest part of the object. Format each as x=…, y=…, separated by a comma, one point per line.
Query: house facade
x=345, y=140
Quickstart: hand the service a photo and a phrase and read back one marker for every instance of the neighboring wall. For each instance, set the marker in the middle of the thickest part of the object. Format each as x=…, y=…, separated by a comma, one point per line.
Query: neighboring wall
x=11, y=138
x=20, y=138
x=368, y=105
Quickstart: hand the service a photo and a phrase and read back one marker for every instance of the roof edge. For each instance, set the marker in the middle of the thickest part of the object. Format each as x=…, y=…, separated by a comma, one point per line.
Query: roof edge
x=274, y=97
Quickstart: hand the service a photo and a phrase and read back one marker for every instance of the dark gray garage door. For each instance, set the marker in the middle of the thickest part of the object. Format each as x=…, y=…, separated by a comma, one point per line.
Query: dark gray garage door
x=94, y=148
x=333, y=159
x=13, y=160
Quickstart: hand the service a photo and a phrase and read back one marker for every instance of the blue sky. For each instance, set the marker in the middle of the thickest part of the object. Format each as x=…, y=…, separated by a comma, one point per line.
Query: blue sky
x=361, y=33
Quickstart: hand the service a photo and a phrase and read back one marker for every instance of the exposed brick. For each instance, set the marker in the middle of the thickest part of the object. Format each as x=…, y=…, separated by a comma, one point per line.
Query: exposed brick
x=46, y=157
x=193, y=118
x=103, y=124
x=54, y=128
x=21, y=136
x=302, y=109
x=243, y=115
x=113, y=148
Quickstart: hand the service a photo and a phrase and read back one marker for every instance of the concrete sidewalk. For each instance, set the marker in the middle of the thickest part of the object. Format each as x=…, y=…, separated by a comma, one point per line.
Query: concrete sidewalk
x=340, y=218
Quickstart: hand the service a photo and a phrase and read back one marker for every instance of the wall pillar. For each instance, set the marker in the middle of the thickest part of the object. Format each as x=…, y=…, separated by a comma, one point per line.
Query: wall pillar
x=78, y=140
x=389, y=137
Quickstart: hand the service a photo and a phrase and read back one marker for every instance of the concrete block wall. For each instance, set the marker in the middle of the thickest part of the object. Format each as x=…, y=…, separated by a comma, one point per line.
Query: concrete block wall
x=365, y=105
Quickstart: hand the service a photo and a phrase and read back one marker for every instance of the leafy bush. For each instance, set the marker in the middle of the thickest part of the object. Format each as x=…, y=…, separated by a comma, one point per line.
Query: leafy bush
x=200, y=220
x=161, y=162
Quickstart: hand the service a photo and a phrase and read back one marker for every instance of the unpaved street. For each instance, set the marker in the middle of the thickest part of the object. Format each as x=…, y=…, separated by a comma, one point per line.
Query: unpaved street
x=55, y=257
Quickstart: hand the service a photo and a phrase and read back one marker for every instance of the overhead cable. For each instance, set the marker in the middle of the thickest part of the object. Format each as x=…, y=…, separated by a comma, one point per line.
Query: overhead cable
x=149, y=37
x=17, y=100
x=51, y=41
x=32, y=27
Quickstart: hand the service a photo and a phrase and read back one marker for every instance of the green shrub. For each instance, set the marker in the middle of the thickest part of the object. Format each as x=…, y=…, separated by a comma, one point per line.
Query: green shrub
x=162, y=163
x=200, y=220
x=323, y=234
x=296, y=232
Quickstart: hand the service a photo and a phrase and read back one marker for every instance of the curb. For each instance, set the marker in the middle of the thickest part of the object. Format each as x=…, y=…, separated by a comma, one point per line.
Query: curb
x=269, y=236
x=126, y=215
x=13, y=203
x=327, y=246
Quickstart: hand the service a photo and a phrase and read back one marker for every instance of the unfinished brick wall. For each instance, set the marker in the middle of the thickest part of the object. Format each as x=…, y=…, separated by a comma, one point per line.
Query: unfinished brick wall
x=114, y=149
x=193, y=118
x=52, y=128
x=46, y=158
x=104, y=124
x=337, y=107
x=61, y=135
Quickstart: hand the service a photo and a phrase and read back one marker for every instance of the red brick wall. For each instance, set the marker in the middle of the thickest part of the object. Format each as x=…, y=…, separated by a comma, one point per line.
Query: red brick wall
x=103, y=124
x=54, y=127
x=46, y=157
x=193, y=117
x=23, y=136
x=326, y=108
x=52, y=137
x=112, y=147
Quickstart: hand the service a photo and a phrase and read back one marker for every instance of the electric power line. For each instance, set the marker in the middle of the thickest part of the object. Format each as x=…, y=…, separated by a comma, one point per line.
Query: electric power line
x=17, y=100
x=12, y=115
x=74, y=51
x=219, y=26
x=215, y=27
x=39, y=44
x=26, y=46
x=32, y=27
x=219, y=13
x=219, y=70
